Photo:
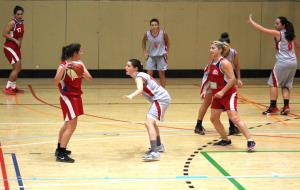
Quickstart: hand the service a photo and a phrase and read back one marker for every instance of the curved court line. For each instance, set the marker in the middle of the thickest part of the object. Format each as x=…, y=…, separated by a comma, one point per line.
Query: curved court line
x=96, y=116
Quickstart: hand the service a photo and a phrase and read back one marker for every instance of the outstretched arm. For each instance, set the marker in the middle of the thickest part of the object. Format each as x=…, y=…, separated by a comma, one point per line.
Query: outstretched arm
x=270, y=32
x=139, y=88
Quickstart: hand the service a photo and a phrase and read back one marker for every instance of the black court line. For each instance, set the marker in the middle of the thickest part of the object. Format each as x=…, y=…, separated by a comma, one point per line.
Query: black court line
x=210, y=143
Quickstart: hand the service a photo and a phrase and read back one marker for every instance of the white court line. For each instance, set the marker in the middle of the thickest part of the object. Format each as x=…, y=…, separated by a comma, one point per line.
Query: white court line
x=119, y=122
x=89, y=139
x=103, y=181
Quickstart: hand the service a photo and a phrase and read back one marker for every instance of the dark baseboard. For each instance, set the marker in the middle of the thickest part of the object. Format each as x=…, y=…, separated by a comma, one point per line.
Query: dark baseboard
x=117, y=73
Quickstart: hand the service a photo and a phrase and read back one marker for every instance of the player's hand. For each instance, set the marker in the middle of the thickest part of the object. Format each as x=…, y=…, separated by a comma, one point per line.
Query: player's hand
x=166, y=56
x=146, y=55
x=219, y=95
x=18, y=43
x=250, y=18
x=239, y=83
x=203, y=95
x=129, y=97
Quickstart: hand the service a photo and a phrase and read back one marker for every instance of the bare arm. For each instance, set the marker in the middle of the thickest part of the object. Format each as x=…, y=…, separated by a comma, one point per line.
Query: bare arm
x=144, y=46
x=167, y=41
x=297, y=47
x=139, y=88
x=59, y=73
x=86, y=74
x=237, y=69
x=20, y=41
x=6, y=32
x=270, y=32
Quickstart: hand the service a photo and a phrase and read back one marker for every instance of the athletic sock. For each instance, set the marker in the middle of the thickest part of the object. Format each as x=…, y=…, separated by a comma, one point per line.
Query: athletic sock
x=273, y=103
x=231, y=124
x=286, y=102
x=153, y=145
x=13, y=85
x=158, y=141
x=8, y=85
x=199, y=124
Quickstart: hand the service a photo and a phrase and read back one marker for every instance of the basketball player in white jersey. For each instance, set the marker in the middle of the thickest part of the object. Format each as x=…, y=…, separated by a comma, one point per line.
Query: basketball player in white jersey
x=156, y=53
x=159, y=99
x=285, y=67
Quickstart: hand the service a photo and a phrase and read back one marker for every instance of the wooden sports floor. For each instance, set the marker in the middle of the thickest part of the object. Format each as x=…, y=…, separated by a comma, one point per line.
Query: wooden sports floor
x=110, y=140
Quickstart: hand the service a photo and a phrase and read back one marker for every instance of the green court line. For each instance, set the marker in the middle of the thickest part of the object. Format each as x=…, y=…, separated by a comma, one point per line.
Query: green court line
x=223, y=171
x=240, y=151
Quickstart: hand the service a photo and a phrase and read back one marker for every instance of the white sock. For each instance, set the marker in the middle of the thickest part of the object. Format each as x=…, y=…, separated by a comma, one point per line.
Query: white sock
x=8, y=85
x=13, y=85
x=250, y=139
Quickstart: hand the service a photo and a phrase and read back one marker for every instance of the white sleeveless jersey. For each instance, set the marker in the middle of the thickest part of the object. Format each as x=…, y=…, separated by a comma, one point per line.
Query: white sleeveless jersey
x=156, y=45
x=285, y=49
x=231, y=56
x=152, y=90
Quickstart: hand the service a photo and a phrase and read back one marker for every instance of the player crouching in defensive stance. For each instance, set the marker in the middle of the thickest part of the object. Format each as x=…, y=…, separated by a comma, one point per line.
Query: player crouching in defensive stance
x=159, y=99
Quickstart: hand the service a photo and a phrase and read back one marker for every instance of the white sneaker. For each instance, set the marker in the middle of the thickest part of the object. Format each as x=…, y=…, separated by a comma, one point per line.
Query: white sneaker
x=160, y=149
x=151, y=156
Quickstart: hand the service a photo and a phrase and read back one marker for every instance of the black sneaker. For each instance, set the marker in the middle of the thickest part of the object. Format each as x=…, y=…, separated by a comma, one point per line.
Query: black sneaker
x=251, y=146
x=68, y=152
x=233, y=130
x=64, y=158
x=199, y=130
x=222, y=143
x=271, y=111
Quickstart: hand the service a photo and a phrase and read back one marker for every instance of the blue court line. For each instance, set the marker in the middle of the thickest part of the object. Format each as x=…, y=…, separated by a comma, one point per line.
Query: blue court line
x=17, y=170
x=175, y=178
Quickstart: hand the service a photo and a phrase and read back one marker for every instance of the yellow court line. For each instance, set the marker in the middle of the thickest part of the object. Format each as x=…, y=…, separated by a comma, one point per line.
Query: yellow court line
x=255, y=104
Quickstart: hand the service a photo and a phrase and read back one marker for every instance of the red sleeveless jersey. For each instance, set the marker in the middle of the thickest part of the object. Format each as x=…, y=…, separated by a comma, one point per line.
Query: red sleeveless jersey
x=217, y=78
x=17, y=32
x=69, y=86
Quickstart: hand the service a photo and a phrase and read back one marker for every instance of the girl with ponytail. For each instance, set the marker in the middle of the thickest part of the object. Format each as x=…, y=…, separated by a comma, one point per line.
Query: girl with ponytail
x=285, y=67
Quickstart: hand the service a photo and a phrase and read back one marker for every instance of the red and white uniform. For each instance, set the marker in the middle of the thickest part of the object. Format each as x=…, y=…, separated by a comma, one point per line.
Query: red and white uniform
x=70, y=95
x=11, y=49
x=156, y=95
x=218, y=81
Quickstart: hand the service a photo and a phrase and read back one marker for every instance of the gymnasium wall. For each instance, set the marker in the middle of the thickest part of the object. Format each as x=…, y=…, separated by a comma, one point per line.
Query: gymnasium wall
x=111, y=31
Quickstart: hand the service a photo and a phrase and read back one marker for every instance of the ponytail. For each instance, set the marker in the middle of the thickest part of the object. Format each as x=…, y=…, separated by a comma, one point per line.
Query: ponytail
x=289, y=27
x=64, y=53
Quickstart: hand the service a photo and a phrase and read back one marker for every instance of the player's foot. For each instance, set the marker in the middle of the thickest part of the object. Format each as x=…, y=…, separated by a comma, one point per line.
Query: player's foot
x=233, y=130
x=223, y=143
x=271, y=111
x=251, y=146
x=285, y=110
x=18, y=90
x=68, y=152
x=63, y=157
x=160, y=149
x=9, y=91
x=199, y=130
x=151, y=156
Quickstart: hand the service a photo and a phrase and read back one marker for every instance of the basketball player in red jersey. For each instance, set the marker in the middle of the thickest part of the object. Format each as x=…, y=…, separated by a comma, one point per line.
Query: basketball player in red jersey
x=70, y=98
x=221, y=83
x=13, y=33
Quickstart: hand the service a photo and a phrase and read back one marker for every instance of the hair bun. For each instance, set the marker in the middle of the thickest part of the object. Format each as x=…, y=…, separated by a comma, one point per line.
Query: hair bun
x=224, y=35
